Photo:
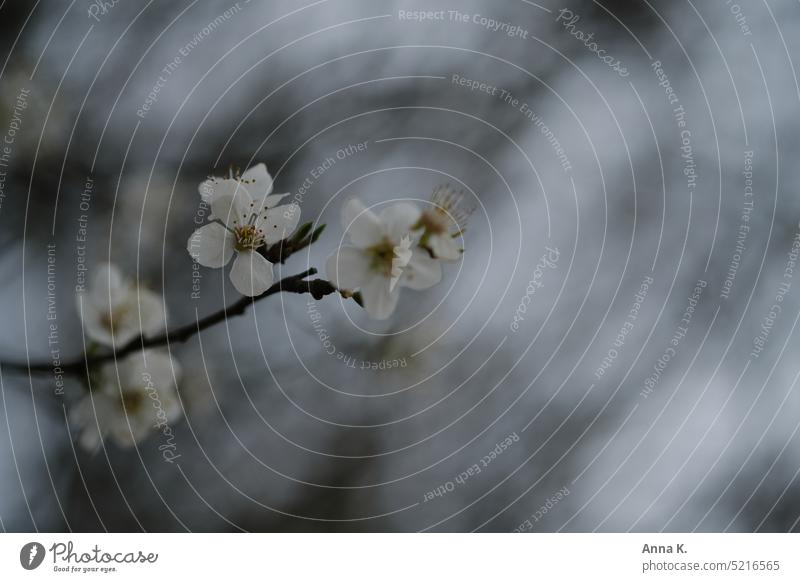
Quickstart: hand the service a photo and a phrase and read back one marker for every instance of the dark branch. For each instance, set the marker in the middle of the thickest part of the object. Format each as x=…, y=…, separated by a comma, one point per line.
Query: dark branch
x=317, y=288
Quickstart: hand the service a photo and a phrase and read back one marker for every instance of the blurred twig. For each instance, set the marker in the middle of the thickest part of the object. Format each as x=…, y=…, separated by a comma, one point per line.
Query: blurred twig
x=318, y=288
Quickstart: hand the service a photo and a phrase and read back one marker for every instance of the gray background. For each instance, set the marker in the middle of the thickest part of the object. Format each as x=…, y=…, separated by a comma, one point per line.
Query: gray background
x=278, y=435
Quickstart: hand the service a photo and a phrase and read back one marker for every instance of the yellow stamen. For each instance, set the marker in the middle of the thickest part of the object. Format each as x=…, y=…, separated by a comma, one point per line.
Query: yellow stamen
x=248, y=238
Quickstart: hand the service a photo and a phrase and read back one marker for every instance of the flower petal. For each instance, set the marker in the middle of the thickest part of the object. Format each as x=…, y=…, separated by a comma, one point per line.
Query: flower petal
x=152, y=314
x=399, y=218
x=279, y=222
x=348, y=268
x=422, y=271
x=361, y=224
x=445, y=247
x=251, y=274
x=90, y=438
x=125, y=437
x=257, y=180
x=211, y=245
x=379, y=300
x=83, y=415
x=233, y=210
x=149, y=370
x=158, y=364
x=216, y=187
x=95, y=321
x=108, y=284
x=268, y=200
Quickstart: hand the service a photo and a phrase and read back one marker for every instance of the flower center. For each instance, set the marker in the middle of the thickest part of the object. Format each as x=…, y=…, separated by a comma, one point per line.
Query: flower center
x=248, y=237
x=436, y=221
x=132, y=401
x=113, y=318
x=381, y=256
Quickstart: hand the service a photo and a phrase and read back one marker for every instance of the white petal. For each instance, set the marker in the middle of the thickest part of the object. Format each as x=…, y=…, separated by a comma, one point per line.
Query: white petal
x=348, y=268
x=251, y=274
x=234, y=210
x=279, y=222
x=90, y=438
x=105, y=404
x=172, y=407
x=108, y=275
x=108, y=284
x=176, y=369
x=151, y=375
x=268, y=200
x=211, y=245
x=216, y=187
x=151, y=312
x=257, y=180
x=126, y=330
x=94, y=315
x=123, y=436
x=361, y=224
x=379, y=300
x=154, y=365
x=445, y=247
x=257, y=172
x=129, y=371
x=398, y=219
x=206, y=189
x=161, y=368
x=144, y=421
x=98, y=320
x=422, y=271
x=86, y=414
x=81, y=413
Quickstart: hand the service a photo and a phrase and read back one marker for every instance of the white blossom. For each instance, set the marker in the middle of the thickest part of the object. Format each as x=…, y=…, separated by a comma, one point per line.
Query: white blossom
x=115, y=310
x=246, y=218
x=443, y=222
x=367, y=265
x=129, y=400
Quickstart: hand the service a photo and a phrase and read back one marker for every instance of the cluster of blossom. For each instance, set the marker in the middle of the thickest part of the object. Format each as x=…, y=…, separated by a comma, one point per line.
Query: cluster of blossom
x=402, y=246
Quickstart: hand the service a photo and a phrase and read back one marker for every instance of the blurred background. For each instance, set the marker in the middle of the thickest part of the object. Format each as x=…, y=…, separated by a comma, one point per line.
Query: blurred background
x=641, y=380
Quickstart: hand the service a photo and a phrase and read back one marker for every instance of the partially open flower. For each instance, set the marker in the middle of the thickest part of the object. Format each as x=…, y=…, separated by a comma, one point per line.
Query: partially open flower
x=374, y=261
x=129, y=400
x=242, y=225
x=443, y=222
x=115, y=310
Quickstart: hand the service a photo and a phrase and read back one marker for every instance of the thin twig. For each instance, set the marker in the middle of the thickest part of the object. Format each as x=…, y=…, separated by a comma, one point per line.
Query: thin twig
x=318, y=288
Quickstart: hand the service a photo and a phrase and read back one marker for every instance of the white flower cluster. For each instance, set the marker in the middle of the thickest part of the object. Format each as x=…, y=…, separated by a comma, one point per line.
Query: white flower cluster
x=130, y=397
x=136, y=393
x=115, y=311
x=403, y=246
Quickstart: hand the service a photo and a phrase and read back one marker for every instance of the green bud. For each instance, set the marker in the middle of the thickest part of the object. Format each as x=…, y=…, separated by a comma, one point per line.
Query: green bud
x=316, y=234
